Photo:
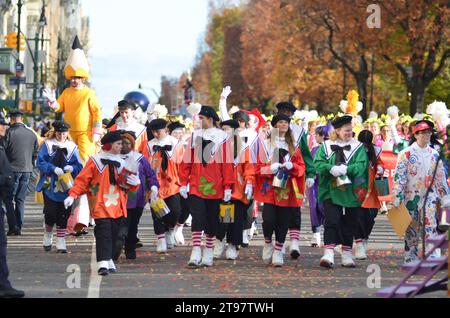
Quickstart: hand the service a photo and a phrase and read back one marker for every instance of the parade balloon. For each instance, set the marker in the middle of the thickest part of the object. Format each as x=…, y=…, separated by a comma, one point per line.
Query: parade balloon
x=139, y=98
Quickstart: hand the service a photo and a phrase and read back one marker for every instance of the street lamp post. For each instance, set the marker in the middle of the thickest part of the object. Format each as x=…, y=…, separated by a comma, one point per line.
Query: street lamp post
x=42, y=24
x=19, y=6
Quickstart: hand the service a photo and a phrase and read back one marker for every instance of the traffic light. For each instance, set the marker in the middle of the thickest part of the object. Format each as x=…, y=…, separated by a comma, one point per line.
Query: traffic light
x=11, y=41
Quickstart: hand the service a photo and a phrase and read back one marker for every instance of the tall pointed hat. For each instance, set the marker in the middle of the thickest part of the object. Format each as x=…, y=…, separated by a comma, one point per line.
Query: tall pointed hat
x=77, y=64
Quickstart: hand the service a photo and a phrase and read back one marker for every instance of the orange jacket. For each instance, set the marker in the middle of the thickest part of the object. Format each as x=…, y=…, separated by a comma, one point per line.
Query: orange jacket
x=110, y=201
x=244, y=173
x=169, y=181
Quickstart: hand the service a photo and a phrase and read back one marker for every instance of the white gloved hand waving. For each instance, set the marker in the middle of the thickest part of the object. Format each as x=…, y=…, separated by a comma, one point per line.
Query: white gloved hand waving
x=227, y=195
x=226, y=92
x=68, y=202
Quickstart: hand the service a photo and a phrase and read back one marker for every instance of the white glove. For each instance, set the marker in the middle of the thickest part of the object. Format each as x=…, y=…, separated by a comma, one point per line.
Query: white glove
x=50, y=94
x=154, y=194
x=97, y=138
x=249, y=191
x=380, y=171
x=68, y=202
x=58, y=171
x=288, y=165
x=184, y=192
x=275, y=167
x=310, y=182
x=227, y=195
x=343, y=170
x=226, y=92
x=194, y=109
x=335, y=171
x=68, y=169
x=133, y=180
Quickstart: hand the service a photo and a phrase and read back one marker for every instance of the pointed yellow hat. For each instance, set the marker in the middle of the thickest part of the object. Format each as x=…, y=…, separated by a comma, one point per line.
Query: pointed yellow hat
x=77, y=64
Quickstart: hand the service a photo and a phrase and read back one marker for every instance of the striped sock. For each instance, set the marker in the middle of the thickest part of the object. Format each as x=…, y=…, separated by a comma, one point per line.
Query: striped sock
x=346, y=248
x=294, y=234
x=278, y=246
x=359, y=241
x=60, y=232
x=161, y=236
x=210, y=241
x=329, y=246
x=197, y=238
x=48, y=228
x=268, y=240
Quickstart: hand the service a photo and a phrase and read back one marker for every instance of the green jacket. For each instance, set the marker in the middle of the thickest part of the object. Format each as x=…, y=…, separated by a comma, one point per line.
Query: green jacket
x=357, y=162
x=301, y=137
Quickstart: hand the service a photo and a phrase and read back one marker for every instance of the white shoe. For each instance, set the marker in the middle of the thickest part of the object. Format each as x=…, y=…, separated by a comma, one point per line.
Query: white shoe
x=328, y=258
x=231, y=253
x=189, y=221
x=196, y=256
x=295, y=249
x=316, y=240
x=61, y=245
x=347, y=259
x=267, y=253
x=252, y=230
x=219, y=249
x=436, y=254
x=111, y=266
x=48, y=241
x=277, y=258
x=207, y=257
x=245, y=240
x=178, y=235
x=360, y=252
x=170, y=239
x=161, y=246
x=338, y=249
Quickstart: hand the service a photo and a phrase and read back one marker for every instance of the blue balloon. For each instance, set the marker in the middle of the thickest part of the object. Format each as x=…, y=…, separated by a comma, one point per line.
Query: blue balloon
x=139, y=98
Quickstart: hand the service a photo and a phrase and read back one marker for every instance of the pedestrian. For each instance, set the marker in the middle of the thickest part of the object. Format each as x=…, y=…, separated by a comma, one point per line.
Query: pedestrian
x=371, y=205
x=6, y=182
x=208, y=169
x=244, y=176
x=137, y=199
x=22, y=147
x=128, y=122
x=57, y=156
x=341, y=159
x=413, y=176
x=164, y=153
x=280, y=179
x=103, y=180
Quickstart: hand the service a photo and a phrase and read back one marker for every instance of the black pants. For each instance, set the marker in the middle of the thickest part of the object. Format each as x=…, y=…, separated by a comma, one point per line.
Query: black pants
x=296, y=220
x=55, y=213
x=365, y=223
x=338, y=226
x=276, y=219
x=169, y=221
x=106, y=232
x=185, y=210
x=234, y=230
x=248, y=216
x=134, y=216
x=4, y=272
x=7, y=196
x=205, y=215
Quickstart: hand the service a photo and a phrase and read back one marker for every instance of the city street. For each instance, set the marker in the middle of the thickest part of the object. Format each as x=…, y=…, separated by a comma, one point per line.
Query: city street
x=45, y=275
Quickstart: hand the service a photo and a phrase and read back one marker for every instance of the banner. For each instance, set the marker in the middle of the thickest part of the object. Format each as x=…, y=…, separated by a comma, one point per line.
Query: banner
x=390, y=163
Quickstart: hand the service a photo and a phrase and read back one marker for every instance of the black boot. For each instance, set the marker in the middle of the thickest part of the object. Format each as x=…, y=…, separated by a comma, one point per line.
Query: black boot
x=11, y=293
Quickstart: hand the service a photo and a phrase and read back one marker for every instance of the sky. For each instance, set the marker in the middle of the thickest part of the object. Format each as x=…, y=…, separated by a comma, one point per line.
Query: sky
x=138, y=41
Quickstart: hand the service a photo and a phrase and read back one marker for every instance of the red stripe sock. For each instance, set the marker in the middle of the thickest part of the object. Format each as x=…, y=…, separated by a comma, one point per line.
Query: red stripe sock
x=268, y=240
x=294, y=234
x=346, y=248
x=197, y=238
x=161, y=236
x=330, y=246
x=279, y=246
x=210, y=241
x=61, y=232
x=359, y=241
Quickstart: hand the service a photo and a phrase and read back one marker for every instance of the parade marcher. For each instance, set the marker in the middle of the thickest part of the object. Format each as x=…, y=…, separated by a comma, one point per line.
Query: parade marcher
x=127, y=122
x=137, y=199
x=300, y=136
x=244, y=176
x=164, y=153
x=280, y=160
x=371, y=205
x=176, y=130
x=107, y=187
x=207, y=167
x=57, y=156
x=342, y=165
x=6, y=182
x=21, y=146
x=79, y=103
x=316, y=210
x=413, y=177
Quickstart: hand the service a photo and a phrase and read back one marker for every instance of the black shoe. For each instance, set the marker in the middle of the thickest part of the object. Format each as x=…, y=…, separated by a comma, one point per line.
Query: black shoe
x=61, y=251
x=11, y=293
x=103, y=271
x=76, y=234
x=130, y=254
x=84, y=232
x=139, y=245
x=112, y=271
x=48, y=248
x=14, y=232
x=295, y=254
x=244, y=245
